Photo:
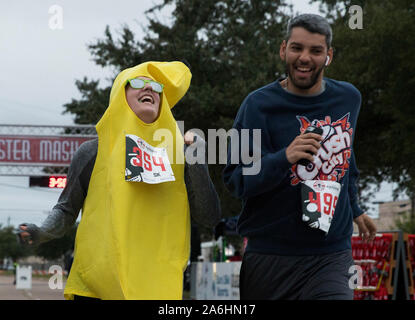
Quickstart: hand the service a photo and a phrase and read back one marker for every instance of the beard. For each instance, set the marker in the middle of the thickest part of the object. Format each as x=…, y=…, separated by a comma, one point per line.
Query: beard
x=301, y=84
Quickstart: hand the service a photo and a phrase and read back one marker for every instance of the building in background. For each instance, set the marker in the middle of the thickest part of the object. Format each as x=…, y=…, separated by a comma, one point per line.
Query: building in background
x=389, y=212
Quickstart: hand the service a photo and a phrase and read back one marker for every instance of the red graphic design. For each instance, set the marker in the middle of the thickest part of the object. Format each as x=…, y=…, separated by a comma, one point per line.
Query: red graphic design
x=332, y=160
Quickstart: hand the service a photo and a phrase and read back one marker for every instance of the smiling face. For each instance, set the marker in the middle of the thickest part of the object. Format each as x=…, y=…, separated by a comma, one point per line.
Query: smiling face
x=305, y=55
x=144, y=102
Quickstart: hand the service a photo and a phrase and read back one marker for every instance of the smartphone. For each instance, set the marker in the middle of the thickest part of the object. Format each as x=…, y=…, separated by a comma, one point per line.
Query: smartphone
x=312, y=129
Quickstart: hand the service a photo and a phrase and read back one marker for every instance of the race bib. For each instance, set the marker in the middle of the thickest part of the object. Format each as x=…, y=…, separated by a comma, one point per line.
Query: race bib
x=145, y=163
x=319, y=199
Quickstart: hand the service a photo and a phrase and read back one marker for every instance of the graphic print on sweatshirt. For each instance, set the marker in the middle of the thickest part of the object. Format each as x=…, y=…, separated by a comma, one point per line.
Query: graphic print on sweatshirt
x=332, y=160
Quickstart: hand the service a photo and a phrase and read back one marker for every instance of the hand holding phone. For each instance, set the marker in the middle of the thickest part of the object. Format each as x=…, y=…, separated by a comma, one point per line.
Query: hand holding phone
x=304, y=146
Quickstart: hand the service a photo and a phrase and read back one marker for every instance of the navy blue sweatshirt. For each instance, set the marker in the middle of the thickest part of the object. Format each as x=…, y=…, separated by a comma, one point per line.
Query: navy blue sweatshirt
x=271, y=216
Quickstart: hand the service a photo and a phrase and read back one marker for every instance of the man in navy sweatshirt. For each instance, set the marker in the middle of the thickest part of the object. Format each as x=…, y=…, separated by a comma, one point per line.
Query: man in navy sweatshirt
x=298, y=217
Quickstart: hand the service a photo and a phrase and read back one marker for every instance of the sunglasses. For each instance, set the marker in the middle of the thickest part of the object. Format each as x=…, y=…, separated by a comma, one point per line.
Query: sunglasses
x=138, y=83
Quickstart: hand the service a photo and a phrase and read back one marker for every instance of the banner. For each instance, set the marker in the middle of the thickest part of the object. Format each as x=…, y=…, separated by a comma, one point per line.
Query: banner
x=216, y=280
x=24, y=277
x=39, y=150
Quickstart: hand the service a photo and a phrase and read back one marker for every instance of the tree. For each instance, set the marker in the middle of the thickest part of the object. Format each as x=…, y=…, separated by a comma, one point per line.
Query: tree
x=378, y=60
x=9, y=245
x=54, y=249
x=406, y=223
x=232, y=48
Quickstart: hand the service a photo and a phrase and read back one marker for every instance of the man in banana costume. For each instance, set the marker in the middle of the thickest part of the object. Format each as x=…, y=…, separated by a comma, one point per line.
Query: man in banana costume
x=136, y=193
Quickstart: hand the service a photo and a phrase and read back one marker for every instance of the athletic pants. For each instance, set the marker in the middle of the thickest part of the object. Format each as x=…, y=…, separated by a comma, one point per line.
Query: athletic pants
x=314, y=277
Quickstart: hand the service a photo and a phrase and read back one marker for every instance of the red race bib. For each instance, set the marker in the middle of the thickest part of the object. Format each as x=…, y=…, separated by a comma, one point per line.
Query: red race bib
x=145, y=163
x=319, y=199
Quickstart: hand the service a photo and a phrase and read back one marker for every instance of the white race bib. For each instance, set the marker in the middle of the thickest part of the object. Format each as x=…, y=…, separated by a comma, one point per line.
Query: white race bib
x=319, y=200
x=145, y=163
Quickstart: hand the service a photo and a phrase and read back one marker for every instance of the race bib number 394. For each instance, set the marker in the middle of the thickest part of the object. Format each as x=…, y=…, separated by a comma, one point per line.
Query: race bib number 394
x=145, y=163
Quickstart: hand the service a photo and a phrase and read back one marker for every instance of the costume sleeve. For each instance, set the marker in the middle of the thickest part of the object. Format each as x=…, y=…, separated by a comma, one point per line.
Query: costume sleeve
x=352, y=188
x=204, y=202
x=66, y=211
x=271, y=166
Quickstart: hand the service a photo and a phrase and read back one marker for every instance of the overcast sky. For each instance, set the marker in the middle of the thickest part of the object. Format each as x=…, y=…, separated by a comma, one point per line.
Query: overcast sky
x=39, y=66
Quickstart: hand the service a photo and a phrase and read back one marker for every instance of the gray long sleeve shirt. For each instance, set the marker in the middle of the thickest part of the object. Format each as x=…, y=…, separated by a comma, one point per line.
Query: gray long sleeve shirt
x=203, y=199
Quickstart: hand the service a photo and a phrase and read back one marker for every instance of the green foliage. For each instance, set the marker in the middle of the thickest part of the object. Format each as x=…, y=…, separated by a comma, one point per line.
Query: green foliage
x=92, y=105
x=54, y=249
x=406, y=223
x=9, y=245
x=378, y=60
x=231, y=46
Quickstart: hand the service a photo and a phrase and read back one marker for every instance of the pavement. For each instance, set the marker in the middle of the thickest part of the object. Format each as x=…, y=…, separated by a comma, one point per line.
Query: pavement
x=40, y=290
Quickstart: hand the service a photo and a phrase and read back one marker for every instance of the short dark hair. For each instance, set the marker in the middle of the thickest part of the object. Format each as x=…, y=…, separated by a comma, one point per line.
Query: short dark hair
x=312, y=23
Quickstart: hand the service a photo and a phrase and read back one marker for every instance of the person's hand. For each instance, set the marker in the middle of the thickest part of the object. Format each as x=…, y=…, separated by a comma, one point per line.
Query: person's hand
x=300, y=145
x=25, y=236
x=367, y=228
x=189, y=138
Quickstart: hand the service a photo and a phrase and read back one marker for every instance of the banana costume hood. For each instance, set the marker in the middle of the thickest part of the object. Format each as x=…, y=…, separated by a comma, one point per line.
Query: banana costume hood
x=133, y=240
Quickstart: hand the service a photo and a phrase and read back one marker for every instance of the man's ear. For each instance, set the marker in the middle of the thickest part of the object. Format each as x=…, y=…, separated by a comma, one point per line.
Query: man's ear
x=283, y=48
x=330, y=56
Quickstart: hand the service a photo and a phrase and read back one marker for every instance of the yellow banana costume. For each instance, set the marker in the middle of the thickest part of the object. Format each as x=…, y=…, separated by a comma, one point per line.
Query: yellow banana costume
x=133, y=240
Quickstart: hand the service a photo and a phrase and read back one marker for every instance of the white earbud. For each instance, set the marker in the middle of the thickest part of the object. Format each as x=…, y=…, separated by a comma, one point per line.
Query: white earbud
x=327, y=60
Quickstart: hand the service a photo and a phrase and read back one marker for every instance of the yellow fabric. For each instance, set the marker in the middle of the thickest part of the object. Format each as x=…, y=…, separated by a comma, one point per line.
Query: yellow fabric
x=133, y=240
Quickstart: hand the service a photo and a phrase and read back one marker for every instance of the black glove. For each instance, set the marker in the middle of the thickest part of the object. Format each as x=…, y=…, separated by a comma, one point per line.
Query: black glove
x=32, y=229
